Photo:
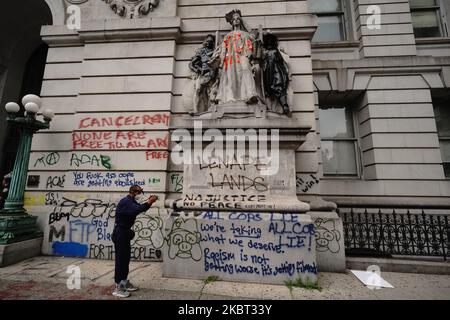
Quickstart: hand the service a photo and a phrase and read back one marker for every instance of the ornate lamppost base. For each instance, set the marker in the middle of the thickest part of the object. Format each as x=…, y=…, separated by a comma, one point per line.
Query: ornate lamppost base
x=20, y=238
x=18, y=227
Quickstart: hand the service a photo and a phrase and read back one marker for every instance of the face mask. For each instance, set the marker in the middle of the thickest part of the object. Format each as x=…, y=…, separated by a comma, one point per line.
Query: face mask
x=139, y=197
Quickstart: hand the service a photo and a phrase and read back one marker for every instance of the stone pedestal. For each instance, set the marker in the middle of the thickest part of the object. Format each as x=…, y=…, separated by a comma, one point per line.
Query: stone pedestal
x=19, y=251
x=263, y=182
x=330, y=250
x=15, y=228
x=241, y=246
x=330, y=247
x=239, y=218
x=20, y=238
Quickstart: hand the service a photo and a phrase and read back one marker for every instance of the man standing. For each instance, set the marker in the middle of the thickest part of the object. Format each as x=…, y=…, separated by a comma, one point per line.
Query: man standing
x=126, y=212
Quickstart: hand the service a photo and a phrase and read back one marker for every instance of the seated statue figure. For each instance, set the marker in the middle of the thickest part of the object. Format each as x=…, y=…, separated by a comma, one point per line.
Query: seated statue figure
x=204, y=76
x=276, y=72
x=234, y=58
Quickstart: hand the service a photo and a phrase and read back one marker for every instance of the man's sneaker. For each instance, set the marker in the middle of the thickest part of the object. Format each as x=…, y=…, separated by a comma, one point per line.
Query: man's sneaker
x=121, y=292
x=130, y=287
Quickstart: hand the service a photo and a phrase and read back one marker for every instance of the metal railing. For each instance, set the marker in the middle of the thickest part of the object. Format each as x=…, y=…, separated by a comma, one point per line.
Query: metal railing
x=410, y=234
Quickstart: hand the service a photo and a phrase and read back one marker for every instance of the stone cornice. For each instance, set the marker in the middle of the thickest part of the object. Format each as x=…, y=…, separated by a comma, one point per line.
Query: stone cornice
x=286, y=27
x=114, y=30
x=289, y=27
x=341, y=75
x=383, y=62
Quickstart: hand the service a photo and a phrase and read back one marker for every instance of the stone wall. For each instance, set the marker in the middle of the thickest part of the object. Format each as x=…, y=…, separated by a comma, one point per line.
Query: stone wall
x=390, y=86
x=115, y=83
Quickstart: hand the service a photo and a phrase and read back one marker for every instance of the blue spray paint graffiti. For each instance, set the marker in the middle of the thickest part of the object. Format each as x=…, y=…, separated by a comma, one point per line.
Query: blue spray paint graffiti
x=70, y=249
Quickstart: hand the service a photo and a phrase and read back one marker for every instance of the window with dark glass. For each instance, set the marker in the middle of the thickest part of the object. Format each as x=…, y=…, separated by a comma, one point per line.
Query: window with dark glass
x=426, y=18
x=338, y=141
x=331, y=18
x=442, y=116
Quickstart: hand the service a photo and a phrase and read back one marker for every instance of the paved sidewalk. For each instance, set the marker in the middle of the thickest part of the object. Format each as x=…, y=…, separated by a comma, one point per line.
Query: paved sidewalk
x=46, y=277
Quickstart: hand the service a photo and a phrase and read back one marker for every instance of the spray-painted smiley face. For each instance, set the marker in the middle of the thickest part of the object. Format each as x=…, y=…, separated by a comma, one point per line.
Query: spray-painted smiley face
x=149, y=231
x=327, y=237
x=184, y=240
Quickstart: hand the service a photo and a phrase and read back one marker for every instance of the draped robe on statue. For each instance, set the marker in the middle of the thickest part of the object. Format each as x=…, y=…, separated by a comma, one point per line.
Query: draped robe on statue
x=237, y=82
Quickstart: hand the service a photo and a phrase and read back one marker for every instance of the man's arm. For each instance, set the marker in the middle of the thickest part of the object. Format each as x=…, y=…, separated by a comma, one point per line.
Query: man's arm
x=139, y=208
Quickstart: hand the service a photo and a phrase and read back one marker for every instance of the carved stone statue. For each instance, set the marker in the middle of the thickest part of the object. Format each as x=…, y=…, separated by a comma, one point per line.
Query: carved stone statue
x=204, y=76
x=246, y=69
x=276, y=72
x=128, y=8
x=234, y=58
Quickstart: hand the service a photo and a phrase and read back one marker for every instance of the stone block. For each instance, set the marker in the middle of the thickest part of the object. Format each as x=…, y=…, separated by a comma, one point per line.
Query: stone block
x=129, y=50
x=59, y=104
x=19, y=251
x=384, y=51
x=55, y=71
x=330, y=250
x=87, y=233
x=142, y=66
x=65, y=54
x=62, y=87
x=127, y=101
x=129, y=84
x=243, y=247
x=400, y=140
x=386, y=39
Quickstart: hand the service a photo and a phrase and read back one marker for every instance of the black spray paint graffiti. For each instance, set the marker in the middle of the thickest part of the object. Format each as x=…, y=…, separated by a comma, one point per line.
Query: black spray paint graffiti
x=148, y=231
x=327, y=237
x=55, y=182
x=176, y=179
x=57, y=216
x=238, y=182
x=306, y=183
x=102, y=251
x=87, y=208
x=183, y=242
x=226, y=201
x=48, y=160
x=242, y=182
x=93, y=226
x=51, y=199
x=60, y=234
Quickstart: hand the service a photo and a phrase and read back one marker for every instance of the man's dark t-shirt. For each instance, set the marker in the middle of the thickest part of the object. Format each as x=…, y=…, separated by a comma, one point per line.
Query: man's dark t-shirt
x=127, y=211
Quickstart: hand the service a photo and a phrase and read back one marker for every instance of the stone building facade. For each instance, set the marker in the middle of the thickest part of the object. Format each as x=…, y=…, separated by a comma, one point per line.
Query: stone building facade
x=373, y=85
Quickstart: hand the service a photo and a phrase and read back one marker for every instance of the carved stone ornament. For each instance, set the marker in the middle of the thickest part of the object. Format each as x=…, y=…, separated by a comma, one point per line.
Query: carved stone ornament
x=132, y=8
x=76, y=1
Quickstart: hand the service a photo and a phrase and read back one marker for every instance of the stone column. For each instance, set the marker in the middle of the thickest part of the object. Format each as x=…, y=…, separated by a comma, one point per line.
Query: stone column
x=394, y=37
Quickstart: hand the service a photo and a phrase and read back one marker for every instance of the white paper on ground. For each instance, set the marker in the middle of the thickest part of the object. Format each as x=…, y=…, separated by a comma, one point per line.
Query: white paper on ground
x=370, y=278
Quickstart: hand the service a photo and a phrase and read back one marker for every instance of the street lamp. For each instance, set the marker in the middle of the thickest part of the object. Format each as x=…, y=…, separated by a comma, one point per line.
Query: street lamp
x=15, y=223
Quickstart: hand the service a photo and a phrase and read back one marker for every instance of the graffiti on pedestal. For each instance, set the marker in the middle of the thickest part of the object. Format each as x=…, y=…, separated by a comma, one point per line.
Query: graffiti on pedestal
x=327, y=236
x=82, y=227
x=244, y=244
x=97, y=160
x=148, y=231
x=132, y=8
x=183, y=240
x=176, y=182
x=306, y=183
